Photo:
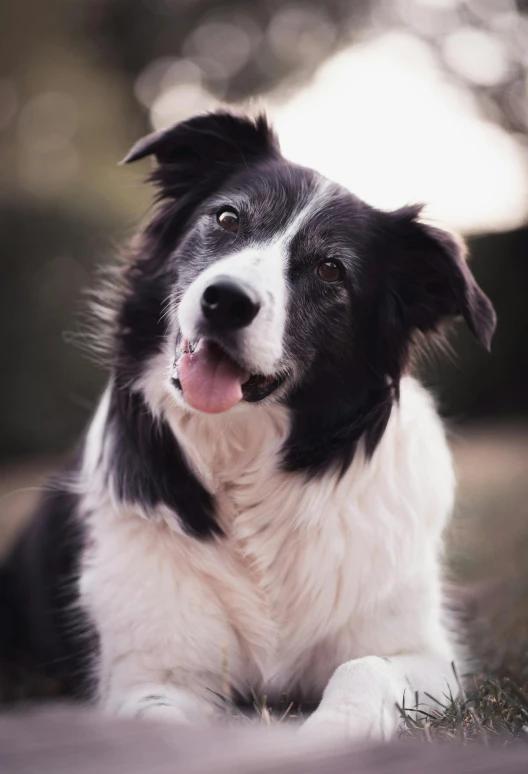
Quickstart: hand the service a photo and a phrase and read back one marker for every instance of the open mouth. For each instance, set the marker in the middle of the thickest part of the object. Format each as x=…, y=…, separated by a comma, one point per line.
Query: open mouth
x=213, y=382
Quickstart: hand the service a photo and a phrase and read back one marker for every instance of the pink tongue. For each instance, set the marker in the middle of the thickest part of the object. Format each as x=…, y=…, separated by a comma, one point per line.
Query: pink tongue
x=210, y=381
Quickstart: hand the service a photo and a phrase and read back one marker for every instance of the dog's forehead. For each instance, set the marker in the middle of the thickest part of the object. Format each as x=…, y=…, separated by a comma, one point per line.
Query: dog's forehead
x=334, y=220
x=270, y=194
x=279, y=197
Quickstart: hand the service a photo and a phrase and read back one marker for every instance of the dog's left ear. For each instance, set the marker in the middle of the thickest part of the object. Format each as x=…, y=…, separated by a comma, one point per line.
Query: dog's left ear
x=205, y=148
x=430, y=280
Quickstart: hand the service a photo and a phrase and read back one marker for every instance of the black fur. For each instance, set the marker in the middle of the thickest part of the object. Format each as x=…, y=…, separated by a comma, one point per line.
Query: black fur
x=196, y=157
x=43, y=631
x=149, y=469
x=408, y=278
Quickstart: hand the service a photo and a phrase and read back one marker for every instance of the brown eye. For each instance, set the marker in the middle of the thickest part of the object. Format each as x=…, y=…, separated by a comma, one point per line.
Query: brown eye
x=228, y=219
x=329, y=271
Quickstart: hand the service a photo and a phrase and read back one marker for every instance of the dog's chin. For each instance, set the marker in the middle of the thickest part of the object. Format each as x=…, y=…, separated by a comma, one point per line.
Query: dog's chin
x=211, y=380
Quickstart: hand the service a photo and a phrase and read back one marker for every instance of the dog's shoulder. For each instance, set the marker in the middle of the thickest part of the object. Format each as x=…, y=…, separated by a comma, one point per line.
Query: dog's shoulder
x=414, y=458
x=419, y=423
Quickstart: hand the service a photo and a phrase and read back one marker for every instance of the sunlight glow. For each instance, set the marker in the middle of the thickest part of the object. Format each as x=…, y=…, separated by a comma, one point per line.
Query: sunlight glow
x=382, y=119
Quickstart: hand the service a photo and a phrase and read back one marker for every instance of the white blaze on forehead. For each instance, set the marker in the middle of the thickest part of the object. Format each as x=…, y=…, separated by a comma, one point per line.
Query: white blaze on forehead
x=321, y=194
x=262, y=267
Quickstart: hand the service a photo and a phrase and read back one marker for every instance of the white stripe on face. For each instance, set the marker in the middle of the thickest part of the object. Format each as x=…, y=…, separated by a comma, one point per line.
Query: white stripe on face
x=263, y=269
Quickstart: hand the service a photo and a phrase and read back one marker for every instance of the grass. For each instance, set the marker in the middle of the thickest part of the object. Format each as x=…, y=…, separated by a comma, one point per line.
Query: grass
x=488, y=709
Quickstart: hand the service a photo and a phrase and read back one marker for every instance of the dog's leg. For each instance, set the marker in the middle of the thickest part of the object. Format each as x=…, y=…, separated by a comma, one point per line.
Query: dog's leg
x=130, y=687
x=363, y=696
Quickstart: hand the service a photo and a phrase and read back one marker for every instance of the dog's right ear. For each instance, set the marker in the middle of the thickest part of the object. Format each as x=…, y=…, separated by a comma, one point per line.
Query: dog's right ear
x=430, y=280
x=206, y=145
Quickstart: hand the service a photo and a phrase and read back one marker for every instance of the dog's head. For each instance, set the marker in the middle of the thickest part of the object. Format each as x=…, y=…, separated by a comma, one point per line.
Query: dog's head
x=282, y=286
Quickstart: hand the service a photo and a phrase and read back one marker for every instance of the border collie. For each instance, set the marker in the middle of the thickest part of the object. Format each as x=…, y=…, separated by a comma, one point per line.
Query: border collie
x=260, y=498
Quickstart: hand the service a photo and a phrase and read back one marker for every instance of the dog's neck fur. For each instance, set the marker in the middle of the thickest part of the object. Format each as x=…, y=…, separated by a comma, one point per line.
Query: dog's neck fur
x=222, y=447
x=151, y=453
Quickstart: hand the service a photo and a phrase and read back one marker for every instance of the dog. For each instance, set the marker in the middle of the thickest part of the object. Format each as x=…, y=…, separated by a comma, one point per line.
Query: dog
x=259, y=501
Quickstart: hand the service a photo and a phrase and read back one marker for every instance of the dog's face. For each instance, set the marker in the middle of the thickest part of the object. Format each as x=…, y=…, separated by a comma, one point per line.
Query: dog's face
x=268, y=277
x=283, y=286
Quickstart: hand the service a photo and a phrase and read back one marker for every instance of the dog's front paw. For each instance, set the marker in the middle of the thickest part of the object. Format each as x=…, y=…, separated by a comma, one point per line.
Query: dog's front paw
x=360, y=701
x=164, y=703
x=164, y=712
x=349, y=722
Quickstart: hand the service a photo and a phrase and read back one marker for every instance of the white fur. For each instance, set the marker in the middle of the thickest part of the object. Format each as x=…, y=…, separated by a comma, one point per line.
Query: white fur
x=328, y=584
x=262, y=269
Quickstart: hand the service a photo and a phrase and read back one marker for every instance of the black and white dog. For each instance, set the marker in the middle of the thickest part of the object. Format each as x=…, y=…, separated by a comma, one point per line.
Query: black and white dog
x=260, y=498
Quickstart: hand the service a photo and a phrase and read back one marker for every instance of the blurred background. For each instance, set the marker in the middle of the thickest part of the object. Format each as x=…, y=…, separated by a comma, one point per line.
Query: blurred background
x=400, y=100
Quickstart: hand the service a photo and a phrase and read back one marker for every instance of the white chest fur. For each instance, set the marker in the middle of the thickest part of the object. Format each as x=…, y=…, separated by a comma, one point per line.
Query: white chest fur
x=308, y=575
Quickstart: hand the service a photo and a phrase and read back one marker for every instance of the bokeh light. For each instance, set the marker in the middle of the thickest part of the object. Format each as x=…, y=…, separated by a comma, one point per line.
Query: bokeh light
x=478, y=55
x=301, y=34
x=382, y=120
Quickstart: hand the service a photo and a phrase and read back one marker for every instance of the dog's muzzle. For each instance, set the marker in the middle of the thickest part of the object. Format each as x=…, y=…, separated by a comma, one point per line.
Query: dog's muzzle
x=230, y=345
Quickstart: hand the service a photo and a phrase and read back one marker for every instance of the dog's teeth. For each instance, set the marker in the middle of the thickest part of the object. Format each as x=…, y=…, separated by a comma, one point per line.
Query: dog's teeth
x=192, y=347
x=175, y=371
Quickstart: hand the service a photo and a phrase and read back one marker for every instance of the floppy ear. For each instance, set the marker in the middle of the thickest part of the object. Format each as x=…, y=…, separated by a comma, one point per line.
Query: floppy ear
x=430, y=279
x=210, y=145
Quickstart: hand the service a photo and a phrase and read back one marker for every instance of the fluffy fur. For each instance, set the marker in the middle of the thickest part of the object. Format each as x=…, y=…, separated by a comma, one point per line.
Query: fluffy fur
x=292, y=543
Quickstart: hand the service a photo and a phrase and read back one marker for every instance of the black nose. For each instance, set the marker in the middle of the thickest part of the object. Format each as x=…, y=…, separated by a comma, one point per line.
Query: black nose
x=227, y=304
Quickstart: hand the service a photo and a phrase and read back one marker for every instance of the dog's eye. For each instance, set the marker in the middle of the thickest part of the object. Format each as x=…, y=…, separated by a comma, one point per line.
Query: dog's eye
x=228, y=218
x=329, y=271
